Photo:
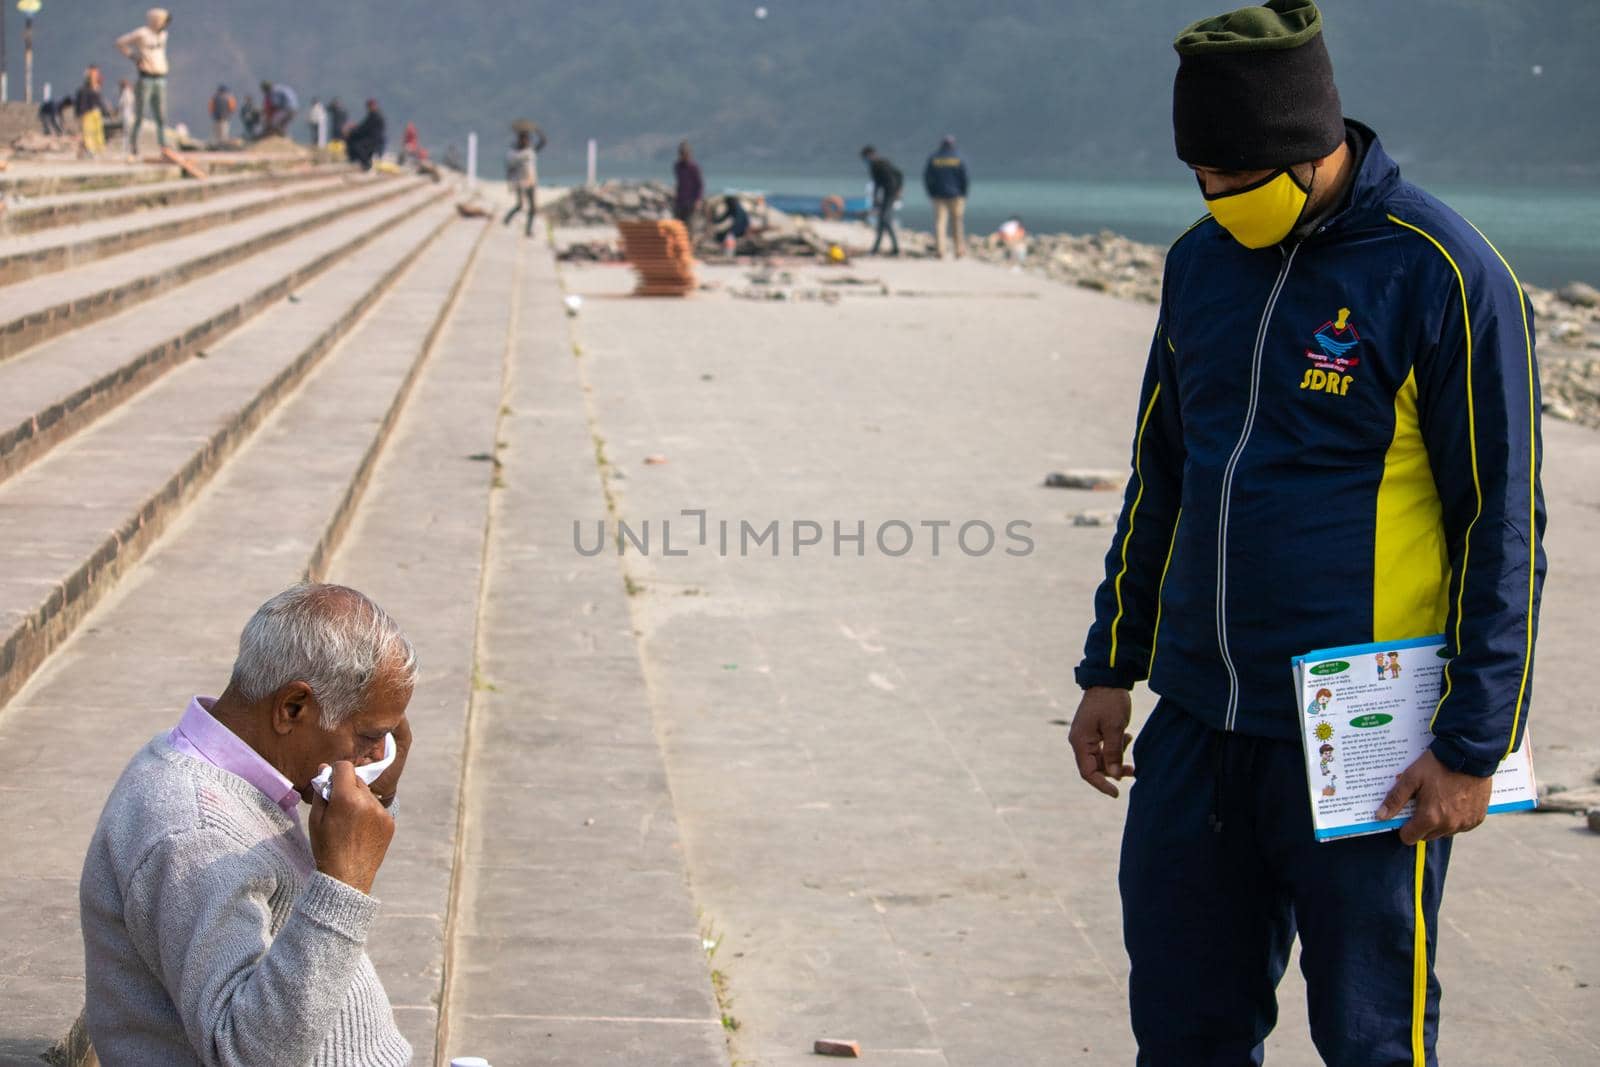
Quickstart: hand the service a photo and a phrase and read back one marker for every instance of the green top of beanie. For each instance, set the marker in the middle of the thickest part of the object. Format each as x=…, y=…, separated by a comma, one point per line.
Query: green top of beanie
x=1275, y=25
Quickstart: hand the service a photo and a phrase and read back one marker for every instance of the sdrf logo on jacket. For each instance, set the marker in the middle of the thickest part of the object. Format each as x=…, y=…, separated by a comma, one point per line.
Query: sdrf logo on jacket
x=1332, y=361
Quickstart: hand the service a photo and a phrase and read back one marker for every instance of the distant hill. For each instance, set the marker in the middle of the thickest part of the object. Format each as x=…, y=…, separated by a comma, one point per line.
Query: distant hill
x=1031, y=87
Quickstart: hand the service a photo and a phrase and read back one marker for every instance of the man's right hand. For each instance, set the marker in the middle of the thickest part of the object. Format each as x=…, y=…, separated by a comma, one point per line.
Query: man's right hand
x=350, y=832
x=1099, y=736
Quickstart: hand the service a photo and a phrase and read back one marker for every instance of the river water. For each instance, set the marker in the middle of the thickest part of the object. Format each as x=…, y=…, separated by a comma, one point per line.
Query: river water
x=1550, y=235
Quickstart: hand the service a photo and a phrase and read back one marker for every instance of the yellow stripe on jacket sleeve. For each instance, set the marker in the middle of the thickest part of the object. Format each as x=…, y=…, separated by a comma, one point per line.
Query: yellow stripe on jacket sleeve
x=1133, y=512
x=1533, y=506
x=1472, y=446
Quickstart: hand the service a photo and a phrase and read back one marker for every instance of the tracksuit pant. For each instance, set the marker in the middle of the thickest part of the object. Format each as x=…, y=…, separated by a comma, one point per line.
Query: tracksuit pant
x=1219, y=873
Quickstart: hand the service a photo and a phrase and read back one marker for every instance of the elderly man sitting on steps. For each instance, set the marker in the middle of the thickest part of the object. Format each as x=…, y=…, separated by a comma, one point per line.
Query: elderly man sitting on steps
x=215, y=931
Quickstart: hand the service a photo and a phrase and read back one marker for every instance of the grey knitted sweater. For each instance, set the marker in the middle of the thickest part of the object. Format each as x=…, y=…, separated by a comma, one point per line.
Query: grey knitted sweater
x=210, y=938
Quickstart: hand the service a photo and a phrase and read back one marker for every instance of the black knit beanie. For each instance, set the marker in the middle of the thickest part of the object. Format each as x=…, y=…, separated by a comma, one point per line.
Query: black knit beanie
x=1255, y=89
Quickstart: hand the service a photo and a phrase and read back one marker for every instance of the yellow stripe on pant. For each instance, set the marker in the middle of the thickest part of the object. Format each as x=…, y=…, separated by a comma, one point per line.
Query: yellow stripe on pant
x=1419, y=966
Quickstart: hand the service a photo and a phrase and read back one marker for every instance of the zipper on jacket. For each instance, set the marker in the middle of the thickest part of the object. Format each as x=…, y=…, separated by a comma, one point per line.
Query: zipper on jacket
x=1227, y=487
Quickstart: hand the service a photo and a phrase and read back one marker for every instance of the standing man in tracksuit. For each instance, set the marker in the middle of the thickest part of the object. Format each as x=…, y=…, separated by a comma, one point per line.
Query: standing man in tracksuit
x=944, y=177
x=1288, y=495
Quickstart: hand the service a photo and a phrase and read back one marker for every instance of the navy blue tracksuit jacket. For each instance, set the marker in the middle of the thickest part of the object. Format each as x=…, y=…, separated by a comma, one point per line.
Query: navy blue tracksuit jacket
x=1337, y=442
x=945, y=175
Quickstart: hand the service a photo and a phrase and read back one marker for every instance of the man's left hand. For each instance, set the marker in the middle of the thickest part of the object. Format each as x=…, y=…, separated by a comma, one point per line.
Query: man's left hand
x=1448, y=802
x=384, y=788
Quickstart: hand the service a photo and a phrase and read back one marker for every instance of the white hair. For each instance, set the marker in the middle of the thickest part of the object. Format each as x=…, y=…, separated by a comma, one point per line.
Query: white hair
x=332, y=638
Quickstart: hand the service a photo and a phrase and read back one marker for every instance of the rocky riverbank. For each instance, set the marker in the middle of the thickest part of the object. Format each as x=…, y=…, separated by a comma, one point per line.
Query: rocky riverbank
x=1567, y=319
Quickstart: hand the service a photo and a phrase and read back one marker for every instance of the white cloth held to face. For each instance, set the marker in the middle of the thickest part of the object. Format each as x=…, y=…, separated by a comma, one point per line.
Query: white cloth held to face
x=369, y=773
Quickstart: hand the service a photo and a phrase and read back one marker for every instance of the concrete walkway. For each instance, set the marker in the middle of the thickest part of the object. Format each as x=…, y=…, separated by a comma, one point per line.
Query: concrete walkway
x=867, y=752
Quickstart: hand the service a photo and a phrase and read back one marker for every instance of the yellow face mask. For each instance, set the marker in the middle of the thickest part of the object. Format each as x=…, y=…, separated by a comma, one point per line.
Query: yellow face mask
x=1261, y=214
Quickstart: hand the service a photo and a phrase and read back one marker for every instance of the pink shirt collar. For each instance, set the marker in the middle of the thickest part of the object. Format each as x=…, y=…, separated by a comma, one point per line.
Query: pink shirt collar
x=203, y=737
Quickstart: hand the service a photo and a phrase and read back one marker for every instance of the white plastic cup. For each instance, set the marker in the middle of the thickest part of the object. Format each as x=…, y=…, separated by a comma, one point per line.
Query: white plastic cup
x=469, y=1061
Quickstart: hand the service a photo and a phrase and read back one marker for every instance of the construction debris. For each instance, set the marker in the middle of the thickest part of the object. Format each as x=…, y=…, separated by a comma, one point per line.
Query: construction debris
x=660, y=252
x=610, y=203
x=592, y=252
x=827, y=1046
x=1101, y=481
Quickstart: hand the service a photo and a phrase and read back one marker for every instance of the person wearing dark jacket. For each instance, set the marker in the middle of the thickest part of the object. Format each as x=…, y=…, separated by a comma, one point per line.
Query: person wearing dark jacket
x=50, y=114
x=887, y=182
x=338, y=118
x=691, y=186
x=945, y=179
x=733, y=222
x=366, y=139
x=1336, y=442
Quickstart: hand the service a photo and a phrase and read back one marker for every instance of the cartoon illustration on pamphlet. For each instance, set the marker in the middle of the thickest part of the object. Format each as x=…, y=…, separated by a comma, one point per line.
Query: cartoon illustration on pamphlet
x=1319, y=705
x=1324, y=733
x=1383, y=667
x=1394, y=665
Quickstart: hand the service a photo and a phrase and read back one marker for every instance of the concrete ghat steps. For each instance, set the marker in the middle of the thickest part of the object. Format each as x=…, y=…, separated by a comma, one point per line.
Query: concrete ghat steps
x=575, y=938
x=32, y=214
x=54, y=389
x=271, y=515
x=417, y=547
x=28, y=179
x=72, y=523
x=47, y=252
x=45, y=307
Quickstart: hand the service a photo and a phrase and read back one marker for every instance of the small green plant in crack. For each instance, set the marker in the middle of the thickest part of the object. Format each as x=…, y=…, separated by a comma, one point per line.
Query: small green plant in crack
x=480, y=684
x=711, y=941
x=633, y=587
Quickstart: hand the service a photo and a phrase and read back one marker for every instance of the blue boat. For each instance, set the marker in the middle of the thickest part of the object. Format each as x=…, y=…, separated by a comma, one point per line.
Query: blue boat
x=846, y=207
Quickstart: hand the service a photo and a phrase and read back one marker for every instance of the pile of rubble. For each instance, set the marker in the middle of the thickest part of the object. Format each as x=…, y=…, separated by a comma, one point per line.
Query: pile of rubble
x=1105, y=262
x=612, y=202
x=592, y=252
x=1569, y=351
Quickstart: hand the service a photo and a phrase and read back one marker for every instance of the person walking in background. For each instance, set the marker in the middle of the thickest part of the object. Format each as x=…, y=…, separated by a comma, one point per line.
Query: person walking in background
x=147, y=47
x=522, y=174
x=317, y=118
x=367, y=139
x=91, y=109
x=125, y=106
x=887, y=181
x=338, y=118
x=691, y=186
x=945, y=178
x=223, y=105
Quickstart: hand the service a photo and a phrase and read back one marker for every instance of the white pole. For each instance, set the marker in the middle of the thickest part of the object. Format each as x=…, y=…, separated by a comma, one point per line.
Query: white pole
x=594, y=157
x=472, y=161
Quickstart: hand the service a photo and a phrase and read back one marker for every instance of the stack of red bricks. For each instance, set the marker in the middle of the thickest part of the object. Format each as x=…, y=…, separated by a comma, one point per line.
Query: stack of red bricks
x=660, y=251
